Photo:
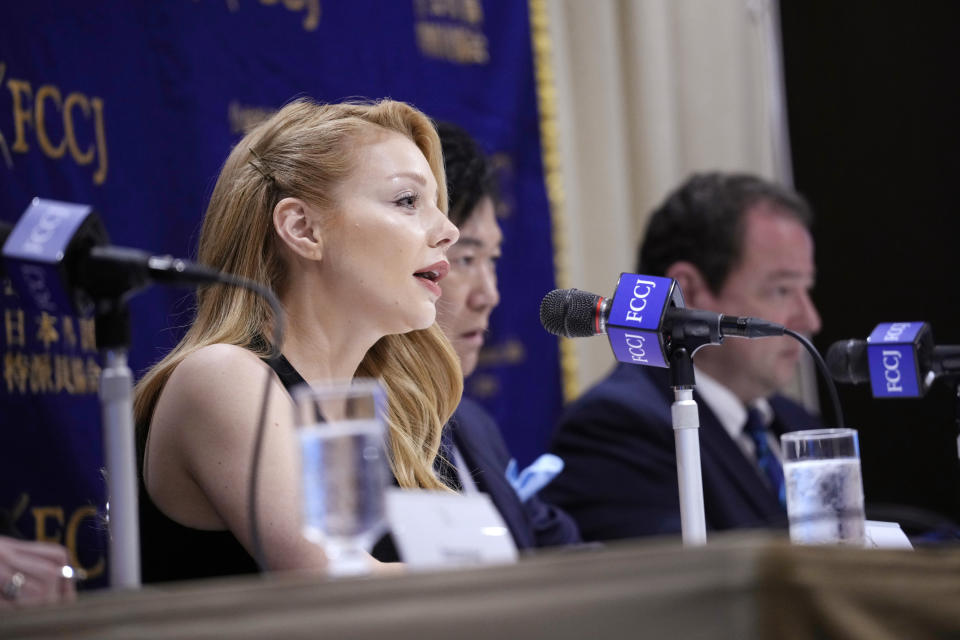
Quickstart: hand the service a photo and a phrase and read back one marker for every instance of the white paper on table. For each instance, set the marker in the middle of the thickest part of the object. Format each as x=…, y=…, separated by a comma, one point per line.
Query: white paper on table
x=434, y=529
x=885, y=535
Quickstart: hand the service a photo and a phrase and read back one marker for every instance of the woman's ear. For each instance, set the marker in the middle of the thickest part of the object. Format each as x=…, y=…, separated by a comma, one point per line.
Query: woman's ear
x=298, y=227
x=696, y=293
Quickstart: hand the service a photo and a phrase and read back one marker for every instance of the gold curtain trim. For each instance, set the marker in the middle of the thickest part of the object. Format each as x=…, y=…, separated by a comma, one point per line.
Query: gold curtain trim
x=550, y=152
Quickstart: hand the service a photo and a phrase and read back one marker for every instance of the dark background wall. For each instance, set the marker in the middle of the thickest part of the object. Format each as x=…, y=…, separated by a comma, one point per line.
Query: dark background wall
x=873, y=90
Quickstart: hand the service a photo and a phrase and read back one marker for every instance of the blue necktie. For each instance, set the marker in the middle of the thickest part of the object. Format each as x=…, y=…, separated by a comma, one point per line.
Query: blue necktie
x=756, y=428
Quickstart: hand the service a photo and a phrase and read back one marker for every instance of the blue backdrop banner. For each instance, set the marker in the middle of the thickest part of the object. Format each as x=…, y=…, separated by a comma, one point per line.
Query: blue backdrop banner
x=132, y=107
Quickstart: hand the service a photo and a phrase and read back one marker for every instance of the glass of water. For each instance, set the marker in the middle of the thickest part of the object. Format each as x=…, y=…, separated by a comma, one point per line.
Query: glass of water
x=821, y=470
x=344, y=472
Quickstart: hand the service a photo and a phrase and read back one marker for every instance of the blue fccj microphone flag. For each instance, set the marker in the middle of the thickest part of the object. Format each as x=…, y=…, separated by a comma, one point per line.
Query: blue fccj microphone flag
x=892, y=352
x=637, y=313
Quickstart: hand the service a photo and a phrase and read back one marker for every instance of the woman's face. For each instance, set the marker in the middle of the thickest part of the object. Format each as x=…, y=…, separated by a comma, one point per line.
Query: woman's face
x=384, y=250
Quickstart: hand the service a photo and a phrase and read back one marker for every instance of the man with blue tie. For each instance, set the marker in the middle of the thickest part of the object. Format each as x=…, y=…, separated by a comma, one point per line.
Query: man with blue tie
x=739, y=245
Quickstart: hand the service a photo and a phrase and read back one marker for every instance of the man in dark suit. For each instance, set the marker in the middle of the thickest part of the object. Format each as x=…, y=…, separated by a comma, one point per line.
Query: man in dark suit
x=474, y=456
x=738, y=245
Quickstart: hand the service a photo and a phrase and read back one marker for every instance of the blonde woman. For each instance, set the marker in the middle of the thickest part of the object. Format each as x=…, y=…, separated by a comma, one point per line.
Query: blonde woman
x=341, y=210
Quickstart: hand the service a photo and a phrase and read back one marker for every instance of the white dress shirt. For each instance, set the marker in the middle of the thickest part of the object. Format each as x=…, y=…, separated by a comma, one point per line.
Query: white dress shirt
x=733, y=415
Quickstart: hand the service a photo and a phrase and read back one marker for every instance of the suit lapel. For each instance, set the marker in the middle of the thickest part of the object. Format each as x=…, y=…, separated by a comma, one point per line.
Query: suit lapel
x=487, y=472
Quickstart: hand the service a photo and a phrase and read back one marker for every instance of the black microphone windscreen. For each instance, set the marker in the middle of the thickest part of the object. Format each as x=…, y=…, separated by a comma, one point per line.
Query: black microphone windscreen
x=570, y=313
x=847, y=361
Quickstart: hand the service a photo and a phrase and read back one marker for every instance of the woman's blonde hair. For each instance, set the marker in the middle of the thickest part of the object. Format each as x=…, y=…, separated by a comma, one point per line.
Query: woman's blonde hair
x=306, y=150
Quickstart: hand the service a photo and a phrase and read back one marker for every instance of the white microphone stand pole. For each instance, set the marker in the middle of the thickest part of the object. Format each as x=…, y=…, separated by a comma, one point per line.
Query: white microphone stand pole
x=686, y=432
x=116, y=404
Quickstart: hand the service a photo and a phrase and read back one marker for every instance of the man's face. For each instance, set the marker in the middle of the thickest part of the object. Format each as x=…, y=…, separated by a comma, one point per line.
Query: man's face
x=470, y=289
x=772, y=281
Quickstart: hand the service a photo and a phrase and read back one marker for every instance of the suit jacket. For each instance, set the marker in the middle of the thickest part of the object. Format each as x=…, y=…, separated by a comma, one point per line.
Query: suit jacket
x=620, y=479
x=533, y=523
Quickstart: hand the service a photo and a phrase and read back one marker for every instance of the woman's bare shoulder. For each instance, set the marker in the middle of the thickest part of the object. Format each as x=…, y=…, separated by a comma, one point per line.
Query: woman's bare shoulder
x=220, y=359
x=219, y=381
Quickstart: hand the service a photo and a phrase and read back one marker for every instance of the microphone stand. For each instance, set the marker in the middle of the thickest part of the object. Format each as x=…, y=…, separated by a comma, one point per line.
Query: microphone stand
x=685, y=339
x=116, y=402
x=686, y=425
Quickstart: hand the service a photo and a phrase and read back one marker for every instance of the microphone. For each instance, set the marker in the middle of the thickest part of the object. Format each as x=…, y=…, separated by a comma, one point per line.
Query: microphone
x=644, y=320
x=58, y=256
x=898, y=359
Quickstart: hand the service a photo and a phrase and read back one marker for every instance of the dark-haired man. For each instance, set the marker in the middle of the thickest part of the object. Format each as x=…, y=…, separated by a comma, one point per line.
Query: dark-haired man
x=738, y=245
x=475, y=457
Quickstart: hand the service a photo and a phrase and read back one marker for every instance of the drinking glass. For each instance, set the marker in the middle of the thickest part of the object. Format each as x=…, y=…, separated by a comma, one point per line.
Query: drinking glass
x=821, y=470
x=341, y=431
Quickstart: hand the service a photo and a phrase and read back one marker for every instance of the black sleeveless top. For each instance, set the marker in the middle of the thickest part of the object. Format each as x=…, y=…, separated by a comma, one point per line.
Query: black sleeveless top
x=172, y=551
